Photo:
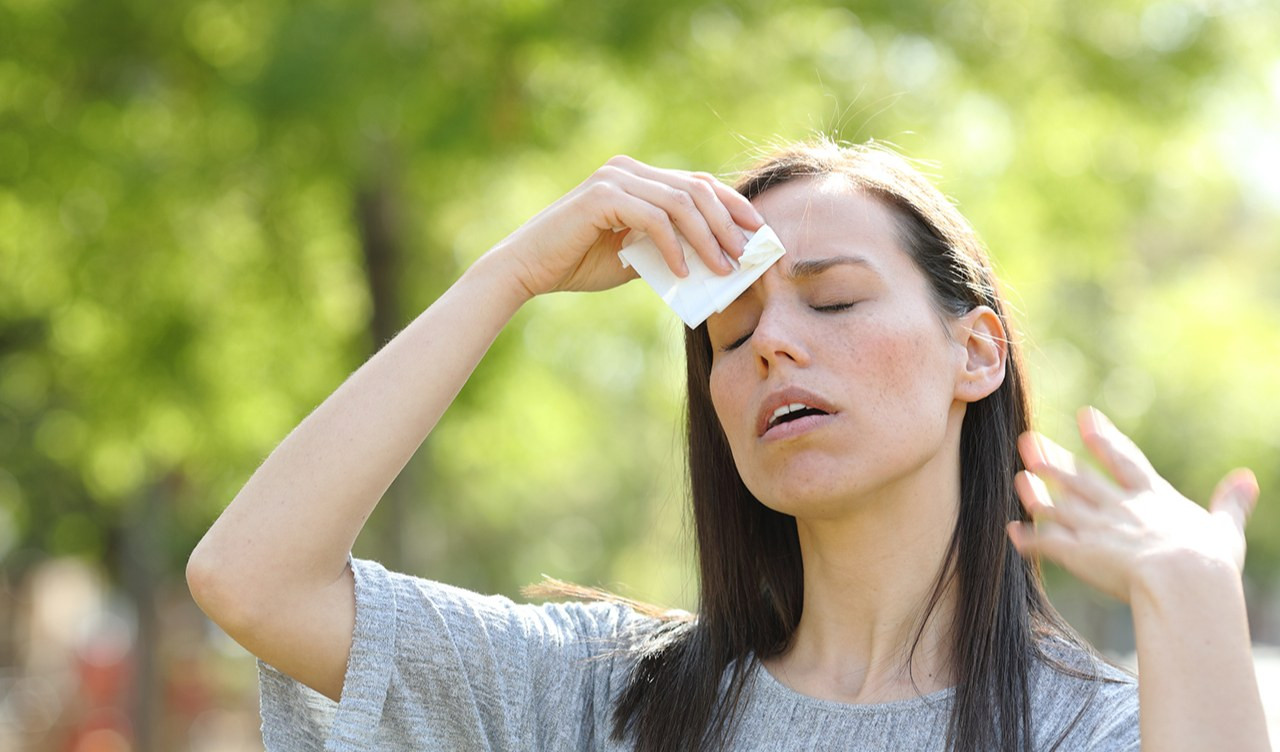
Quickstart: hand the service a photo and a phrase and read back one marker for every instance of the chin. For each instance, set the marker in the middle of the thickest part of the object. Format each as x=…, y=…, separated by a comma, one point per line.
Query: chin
x=804, y=499
x=820, y=486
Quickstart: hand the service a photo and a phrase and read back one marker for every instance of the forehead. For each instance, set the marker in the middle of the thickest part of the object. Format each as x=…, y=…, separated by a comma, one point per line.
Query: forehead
x=818, y=216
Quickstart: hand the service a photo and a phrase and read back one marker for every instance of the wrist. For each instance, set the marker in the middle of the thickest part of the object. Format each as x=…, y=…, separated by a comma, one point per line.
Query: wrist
x=1170, y=578
x=502, y=271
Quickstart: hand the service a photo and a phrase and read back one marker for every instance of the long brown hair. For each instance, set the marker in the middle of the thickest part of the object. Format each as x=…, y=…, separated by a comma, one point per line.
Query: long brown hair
x=751, y=586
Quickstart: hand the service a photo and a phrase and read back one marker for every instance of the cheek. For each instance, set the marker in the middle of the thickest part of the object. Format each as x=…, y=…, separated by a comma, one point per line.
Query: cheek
x=728, y=398
x=720, y=398
x=913, y=367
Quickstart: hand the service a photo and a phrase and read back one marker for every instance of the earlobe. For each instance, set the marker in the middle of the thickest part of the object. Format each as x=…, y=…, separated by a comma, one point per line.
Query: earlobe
x=986, y=345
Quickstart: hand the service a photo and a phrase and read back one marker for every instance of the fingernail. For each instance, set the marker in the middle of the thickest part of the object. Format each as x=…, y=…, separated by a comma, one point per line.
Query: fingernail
x=1037, y=442
x=1244, y=486
x=1056, y=455
x=1027, y=448
x=1038, y=485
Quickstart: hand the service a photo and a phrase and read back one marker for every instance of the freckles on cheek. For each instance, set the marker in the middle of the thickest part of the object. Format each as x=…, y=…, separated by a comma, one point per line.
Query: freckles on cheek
x=902, y=349
x=890, y=353
x=899, y=362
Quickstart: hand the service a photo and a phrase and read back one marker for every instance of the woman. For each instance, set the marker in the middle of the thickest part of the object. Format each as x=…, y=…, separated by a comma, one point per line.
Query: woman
x=858, y=443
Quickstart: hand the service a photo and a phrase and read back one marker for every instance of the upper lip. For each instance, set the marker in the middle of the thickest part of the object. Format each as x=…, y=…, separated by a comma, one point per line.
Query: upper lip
x=787, y=396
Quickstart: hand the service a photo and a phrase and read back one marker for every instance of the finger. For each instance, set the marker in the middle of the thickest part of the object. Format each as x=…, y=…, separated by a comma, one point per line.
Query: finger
x=1039, y=451
x=714, y=199
x=725, y=210
x=708, y=203
x=688, y=215
x=1031, y=452
x=731, y=237
x=621, y=209
x=1053, y=541
x=728, y=212
x=1117, y=452
x=1058, y=465
x=1044, y=457
x=1037, y=501
x=1236, y=496
x=744, y=213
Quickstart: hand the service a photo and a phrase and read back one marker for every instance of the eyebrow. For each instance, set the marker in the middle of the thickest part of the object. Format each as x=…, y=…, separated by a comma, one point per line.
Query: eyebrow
x=809, y=268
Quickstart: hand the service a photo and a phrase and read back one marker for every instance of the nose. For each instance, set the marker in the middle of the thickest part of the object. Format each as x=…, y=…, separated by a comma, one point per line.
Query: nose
x=780, y=338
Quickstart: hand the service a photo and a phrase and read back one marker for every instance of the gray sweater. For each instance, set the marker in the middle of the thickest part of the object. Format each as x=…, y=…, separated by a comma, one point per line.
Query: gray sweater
x=434, y=667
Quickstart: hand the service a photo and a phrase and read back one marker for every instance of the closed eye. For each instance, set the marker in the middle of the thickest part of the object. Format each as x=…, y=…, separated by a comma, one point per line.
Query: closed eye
x=832, y=308
x=736, y=343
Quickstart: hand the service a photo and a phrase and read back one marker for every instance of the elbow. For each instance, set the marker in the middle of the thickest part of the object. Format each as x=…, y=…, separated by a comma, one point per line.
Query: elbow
x=200, y=572
x=214, y=591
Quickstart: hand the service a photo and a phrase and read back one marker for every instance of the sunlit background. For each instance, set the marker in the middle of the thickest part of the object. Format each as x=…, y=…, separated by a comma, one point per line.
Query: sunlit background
x=211, y=212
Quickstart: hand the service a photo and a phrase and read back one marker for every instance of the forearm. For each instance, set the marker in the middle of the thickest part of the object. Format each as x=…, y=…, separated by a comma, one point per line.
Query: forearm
x=293, y=523
x=1196, y=686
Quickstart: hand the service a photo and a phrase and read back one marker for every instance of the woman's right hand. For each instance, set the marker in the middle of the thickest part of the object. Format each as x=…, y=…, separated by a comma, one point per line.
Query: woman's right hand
x=573, y=244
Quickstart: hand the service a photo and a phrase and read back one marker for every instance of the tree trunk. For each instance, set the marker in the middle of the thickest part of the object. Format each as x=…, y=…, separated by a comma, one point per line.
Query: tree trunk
x=141, y=571
x=380, y=243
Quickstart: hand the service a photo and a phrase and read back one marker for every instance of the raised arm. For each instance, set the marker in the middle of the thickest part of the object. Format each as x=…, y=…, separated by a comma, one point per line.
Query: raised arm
x=272, y=570
x=1178, y=566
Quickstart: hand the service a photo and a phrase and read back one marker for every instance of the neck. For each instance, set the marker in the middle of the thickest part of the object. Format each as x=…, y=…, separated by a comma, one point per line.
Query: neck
x=869, y=577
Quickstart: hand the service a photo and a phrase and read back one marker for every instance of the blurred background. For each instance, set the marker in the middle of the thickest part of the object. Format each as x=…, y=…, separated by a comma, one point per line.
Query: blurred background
x=211, y=212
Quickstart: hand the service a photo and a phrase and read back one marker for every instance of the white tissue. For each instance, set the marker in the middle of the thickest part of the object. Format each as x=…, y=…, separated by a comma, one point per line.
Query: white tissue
x=703, y=292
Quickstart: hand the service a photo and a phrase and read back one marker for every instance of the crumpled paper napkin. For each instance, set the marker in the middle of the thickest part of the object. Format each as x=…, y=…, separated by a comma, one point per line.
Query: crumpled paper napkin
x=703, y=292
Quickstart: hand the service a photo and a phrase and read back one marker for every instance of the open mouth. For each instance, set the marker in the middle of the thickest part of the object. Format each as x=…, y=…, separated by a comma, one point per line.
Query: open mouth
x=793, y=411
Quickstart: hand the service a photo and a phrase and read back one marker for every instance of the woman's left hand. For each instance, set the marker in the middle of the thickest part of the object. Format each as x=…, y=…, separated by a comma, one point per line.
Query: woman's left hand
x=1115, y=532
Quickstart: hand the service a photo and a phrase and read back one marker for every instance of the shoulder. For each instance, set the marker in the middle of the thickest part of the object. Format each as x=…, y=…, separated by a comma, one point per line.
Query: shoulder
x=416, y=604
x=1081, y=701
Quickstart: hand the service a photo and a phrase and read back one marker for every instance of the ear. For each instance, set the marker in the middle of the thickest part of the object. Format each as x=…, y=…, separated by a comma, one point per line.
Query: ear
x=982, y=346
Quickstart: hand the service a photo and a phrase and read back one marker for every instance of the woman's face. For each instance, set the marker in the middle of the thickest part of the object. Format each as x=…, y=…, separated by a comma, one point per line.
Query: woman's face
x=833, y=376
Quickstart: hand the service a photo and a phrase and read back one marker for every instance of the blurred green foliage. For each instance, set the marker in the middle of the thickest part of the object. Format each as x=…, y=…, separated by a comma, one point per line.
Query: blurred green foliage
x=184, y=268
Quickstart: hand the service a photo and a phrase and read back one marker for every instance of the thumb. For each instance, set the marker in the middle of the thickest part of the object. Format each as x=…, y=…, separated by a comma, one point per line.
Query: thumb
x=1235, y=496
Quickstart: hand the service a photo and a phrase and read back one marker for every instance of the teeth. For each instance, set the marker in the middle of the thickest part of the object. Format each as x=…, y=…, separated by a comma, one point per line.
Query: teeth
x=786, y=410
x=781, y=411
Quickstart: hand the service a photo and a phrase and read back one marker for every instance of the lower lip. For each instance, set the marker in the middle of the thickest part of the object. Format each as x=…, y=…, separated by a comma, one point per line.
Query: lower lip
x=796, y=427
